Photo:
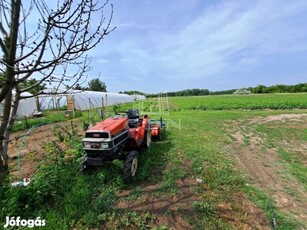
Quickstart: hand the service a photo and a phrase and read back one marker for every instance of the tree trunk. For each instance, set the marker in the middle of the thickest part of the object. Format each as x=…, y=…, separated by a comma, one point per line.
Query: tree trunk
x=3, y=141
x=6, y=91
x=11, y=121
x=6, y=130
x=11, y=47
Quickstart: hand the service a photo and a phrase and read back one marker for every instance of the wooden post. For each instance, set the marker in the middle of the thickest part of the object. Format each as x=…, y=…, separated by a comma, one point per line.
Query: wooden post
x=71, y=104
x=37, y=104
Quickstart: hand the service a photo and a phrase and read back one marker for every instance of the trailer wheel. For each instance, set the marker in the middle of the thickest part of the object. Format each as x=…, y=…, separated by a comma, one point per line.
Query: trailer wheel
x=159, y=136
x=130, y=166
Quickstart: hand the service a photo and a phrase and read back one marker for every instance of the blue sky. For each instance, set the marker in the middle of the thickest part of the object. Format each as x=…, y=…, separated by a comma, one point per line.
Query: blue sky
x=172, y=45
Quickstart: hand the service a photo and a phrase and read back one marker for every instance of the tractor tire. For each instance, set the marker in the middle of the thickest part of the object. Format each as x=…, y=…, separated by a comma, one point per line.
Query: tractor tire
x=84, y=168
x=147, y=139
x=130, y=166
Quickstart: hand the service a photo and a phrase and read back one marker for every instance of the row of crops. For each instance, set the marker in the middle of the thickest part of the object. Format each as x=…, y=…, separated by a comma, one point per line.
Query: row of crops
x=251, y=102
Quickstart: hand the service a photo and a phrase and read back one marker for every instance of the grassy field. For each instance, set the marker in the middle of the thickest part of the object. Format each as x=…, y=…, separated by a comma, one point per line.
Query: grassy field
x=192, y=179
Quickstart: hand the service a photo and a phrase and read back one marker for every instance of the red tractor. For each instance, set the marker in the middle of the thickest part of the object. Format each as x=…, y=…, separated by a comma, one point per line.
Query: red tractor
x=118, y=137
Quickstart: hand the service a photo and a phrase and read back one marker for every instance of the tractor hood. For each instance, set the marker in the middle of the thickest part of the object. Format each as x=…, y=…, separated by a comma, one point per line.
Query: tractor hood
x=111, y=125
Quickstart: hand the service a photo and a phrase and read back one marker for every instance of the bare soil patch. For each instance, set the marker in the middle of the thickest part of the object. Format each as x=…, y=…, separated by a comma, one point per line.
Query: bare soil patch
x=169, y=210
x=263, y=166
x=283, y=118
x=174, y=211
x=253, y=218
x=33, y=149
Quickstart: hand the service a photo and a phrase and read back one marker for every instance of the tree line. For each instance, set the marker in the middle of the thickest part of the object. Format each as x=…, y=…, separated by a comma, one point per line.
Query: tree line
x=299, y=88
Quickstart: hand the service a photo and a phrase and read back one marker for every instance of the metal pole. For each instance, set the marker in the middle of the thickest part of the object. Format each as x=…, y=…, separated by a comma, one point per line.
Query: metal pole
x=106, y=103
x=102, y=109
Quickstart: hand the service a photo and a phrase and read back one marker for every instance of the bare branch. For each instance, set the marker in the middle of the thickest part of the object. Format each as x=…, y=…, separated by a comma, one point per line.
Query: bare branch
x=2, y=30
x=4, y=10
x=56, y=26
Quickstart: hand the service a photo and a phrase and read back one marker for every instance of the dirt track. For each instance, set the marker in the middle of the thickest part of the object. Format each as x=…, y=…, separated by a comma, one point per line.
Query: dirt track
x=264, y=168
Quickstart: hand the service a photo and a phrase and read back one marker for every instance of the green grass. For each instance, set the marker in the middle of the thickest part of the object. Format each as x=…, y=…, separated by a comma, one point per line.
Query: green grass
x=65, y=197
x=295, y=164
x=250, y=102
x=203, y=135
x=280, y=135
x=23, y=124
x=265, y=202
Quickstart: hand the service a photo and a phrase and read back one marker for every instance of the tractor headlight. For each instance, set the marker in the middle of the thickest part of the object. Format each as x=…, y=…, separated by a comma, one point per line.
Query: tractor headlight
x=86, y=144
x=104, y=145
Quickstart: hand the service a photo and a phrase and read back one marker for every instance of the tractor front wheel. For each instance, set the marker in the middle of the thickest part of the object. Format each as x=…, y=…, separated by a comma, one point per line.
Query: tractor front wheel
x=84, y=168
x=130, y=166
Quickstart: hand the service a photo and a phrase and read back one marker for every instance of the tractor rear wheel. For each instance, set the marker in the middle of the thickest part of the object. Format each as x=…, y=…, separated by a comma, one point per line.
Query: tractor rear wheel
x=130, y=166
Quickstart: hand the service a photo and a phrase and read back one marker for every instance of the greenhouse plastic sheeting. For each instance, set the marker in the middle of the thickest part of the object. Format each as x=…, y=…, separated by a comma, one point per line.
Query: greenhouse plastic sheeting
x=52, y=102
x=92, y=99
x=84, y=100
x=26, y=107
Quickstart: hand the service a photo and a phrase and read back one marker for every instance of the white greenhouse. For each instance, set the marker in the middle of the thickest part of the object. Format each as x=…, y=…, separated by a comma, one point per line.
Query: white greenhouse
x=74, y=100
x=52, y=102
x=26, y=107
x=138, y=97
x=83, y=100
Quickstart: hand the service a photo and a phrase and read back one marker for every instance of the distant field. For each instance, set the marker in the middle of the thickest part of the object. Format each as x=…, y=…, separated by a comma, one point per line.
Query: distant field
x=252, y=102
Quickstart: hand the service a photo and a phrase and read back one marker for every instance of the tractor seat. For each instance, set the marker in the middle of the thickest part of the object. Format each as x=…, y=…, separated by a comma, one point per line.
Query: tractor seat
x=132, y=113
x=134, y=118
x=133, y=123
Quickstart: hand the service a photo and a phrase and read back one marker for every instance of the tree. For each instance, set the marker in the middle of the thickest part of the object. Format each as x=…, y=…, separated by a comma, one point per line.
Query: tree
x=133, y=92
x=53, y=52
x=34, y=90
x=79, y=87
x=97, y=85
x=259, y=89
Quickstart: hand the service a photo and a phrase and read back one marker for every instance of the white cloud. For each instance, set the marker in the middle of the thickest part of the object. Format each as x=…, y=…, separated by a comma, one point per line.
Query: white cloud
x=102, y=60
x=134, y=78
x=211, y=43
x=122, y=25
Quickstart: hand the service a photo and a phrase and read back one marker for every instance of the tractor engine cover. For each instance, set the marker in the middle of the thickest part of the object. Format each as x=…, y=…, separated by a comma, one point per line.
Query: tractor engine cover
x=106, y=137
